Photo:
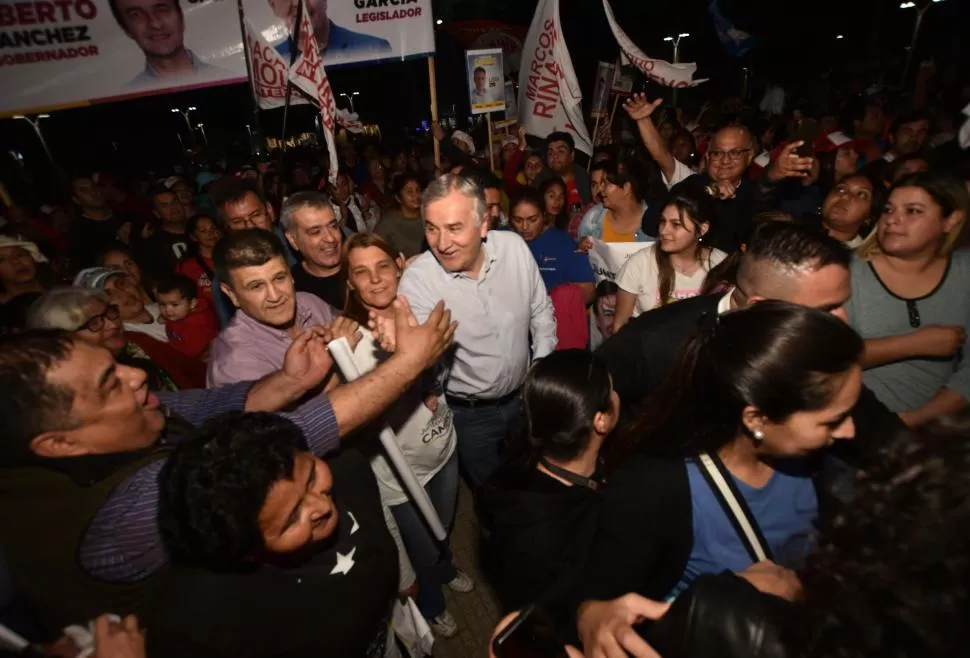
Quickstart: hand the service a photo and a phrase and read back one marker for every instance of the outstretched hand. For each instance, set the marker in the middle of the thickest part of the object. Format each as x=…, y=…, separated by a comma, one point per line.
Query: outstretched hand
x=639, y=108
x=789, y=164
x=307, y=361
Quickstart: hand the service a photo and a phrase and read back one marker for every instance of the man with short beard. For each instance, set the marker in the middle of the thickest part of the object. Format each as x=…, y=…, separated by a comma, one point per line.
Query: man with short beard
x=312, y=228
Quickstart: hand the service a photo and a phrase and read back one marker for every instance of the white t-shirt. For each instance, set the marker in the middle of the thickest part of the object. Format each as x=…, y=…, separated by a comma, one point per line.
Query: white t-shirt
x=640, y=276
x=155, y=329
x=427, y=437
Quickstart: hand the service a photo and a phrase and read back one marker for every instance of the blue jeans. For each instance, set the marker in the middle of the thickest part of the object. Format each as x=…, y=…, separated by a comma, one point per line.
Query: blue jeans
x=481, y=432
x=432, y=560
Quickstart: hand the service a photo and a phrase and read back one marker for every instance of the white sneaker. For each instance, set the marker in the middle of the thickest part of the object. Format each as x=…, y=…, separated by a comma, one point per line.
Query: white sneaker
x=462, y=583
x=444, y=625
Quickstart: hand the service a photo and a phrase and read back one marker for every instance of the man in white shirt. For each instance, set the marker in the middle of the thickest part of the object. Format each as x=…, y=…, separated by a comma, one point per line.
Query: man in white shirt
x=491, y=284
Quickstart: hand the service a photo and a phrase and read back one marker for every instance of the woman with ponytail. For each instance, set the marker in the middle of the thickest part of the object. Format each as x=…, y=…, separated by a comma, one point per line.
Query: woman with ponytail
x=541, y=506
x=756, y=392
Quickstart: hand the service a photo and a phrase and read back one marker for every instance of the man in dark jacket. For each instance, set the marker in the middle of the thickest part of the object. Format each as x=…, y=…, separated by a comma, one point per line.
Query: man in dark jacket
x=782, y=261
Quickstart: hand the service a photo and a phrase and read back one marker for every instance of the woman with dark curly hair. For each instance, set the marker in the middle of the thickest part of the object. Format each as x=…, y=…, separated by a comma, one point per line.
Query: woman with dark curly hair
x=890, y=575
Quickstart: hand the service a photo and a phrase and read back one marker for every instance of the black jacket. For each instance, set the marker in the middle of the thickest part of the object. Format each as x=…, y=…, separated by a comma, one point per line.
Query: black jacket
x=644, y=351
x=723, y=616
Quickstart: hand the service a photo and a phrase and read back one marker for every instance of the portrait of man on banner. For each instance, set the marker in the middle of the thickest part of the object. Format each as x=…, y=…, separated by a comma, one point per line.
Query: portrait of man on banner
x=486, y=82
x=158, y=27
x=332, y=38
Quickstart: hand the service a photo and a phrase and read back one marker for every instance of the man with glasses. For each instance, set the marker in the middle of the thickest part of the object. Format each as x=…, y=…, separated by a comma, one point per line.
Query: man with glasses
x=725, y=178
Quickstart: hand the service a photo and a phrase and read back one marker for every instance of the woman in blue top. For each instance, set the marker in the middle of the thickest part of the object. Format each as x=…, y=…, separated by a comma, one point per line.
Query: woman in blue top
x=755, y=392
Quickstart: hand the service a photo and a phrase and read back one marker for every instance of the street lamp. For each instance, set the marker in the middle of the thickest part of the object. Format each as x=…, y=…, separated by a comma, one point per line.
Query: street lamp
x=438, y=22
x=35, y=124
x=921, y=6
x=676, y=41
x=205, y=139
x=839, y=36
x=185, y=115
x=350, y=99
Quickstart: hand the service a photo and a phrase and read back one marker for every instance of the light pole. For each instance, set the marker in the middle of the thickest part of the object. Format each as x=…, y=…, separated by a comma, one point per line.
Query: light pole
x=185, y=115
x=921, y=6
x=35, y=124
x=676, y=41
x=205, y=139
x=350, y=99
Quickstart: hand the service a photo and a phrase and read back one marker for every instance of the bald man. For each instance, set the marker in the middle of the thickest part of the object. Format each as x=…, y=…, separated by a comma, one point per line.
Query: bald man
x=726, y=176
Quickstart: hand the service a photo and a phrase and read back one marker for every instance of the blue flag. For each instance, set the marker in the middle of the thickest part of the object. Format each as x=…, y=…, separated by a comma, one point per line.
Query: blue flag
x=736, y=42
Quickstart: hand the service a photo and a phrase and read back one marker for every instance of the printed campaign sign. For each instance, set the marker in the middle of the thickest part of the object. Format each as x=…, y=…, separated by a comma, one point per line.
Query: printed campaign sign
x=601, y=92
x=608, y=257
x=486, y=89
x=65, y=52
x=62, y=53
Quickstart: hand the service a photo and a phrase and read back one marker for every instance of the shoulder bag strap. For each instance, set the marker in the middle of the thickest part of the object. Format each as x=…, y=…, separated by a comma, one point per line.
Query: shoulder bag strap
x=721, y=482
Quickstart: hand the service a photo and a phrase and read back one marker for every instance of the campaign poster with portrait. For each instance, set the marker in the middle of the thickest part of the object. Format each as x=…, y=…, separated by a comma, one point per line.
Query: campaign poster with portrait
x=56, y=53
x=349, y=31
x=486, y=80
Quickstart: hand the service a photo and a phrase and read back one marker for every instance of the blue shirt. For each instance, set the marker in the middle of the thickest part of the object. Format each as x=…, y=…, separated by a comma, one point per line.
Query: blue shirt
x=558, y=261
x=784, y=509
x=341, y=40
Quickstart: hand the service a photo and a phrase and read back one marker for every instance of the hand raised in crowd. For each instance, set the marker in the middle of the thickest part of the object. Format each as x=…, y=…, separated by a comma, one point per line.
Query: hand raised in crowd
x=307, y=361
x=585, y=243
x=639, y=108
x=771, y=578
x=939, y=341
x=606, y=627
x=438, y=132
x=344, y=327
x=118, y=639
x=405, y=336
x=523, y=140
x=789, y=164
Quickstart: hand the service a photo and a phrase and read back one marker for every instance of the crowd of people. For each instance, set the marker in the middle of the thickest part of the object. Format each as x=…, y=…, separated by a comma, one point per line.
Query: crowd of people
x=755, y=422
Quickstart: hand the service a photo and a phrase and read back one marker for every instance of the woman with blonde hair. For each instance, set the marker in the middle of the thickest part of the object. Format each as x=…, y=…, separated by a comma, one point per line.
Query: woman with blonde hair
x=910, y=299
x=423, y=423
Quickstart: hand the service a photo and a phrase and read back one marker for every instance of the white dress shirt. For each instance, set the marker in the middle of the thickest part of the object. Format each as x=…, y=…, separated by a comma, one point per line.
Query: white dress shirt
x=495, y=312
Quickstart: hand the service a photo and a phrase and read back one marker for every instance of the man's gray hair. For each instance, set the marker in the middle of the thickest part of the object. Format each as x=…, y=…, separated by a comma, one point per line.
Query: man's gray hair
x=467, y=187
x=297, y=202
x=64, y=308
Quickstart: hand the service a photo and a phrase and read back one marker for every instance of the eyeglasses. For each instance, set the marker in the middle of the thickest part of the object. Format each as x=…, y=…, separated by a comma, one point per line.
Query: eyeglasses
x=913, y=311
x=96, y=323
x=733, y=155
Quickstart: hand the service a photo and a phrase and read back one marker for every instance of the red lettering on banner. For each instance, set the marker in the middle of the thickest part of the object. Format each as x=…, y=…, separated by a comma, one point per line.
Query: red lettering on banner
x=397, y=14
x=543, y=87
x=44, y=11
x=48, y=55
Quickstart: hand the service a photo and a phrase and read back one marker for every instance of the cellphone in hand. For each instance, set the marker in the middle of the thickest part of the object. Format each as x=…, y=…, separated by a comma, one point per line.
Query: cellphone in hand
x=531, y=634
x=807, y=132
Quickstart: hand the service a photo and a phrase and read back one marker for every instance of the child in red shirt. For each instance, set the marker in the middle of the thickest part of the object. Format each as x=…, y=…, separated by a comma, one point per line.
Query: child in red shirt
x=190, y=321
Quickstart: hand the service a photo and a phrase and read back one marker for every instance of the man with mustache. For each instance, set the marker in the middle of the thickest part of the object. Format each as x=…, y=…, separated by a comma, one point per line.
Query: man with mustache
x=251, y=265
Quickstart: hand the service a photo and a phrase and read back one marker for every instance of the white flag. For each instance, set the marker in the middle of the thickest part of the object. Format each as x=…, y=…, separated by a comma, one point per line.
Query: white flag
x=661, y=72
x=349, y=121
x=268, y=74
x=308, y=74
x=550, y=99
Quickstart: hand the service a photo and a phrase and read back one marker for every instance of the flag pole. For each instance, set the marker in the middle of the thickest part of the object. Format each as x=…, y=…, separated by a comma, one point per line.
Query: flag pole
x=491, y=151
x=433, y=84
x=258, y=143
x=289, y=83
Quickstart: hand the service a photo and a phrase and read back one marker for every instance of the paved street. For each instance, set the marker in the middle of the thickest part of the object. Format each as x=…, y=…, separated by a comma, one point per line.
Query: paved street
x=477, y=613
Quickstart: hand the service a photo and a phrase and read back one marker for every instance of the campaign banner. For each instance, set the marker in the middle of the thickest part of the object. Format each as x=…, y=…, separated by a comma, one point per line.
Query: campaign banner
x=64, y=53
x=657, y=70
x=56, y=53
x=550, y=98
x=622, y=81
x=601, y=91
x=269, y=72
x=608, y=257
x=349, y=31
x=486, y=90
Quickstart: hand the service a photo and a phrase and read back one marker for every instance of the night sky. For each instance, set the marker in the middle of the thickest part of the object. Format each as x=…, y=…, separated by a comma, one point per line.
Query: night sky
x=797, y=43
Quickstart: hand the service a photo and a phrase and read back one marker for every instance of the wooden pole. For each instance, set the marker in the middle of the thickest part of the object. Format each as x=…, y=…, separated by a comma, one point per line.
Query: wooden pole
x=433, y=85
x=257, y=141
x=616, y=104
x=596, y=132
x=491, y=151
